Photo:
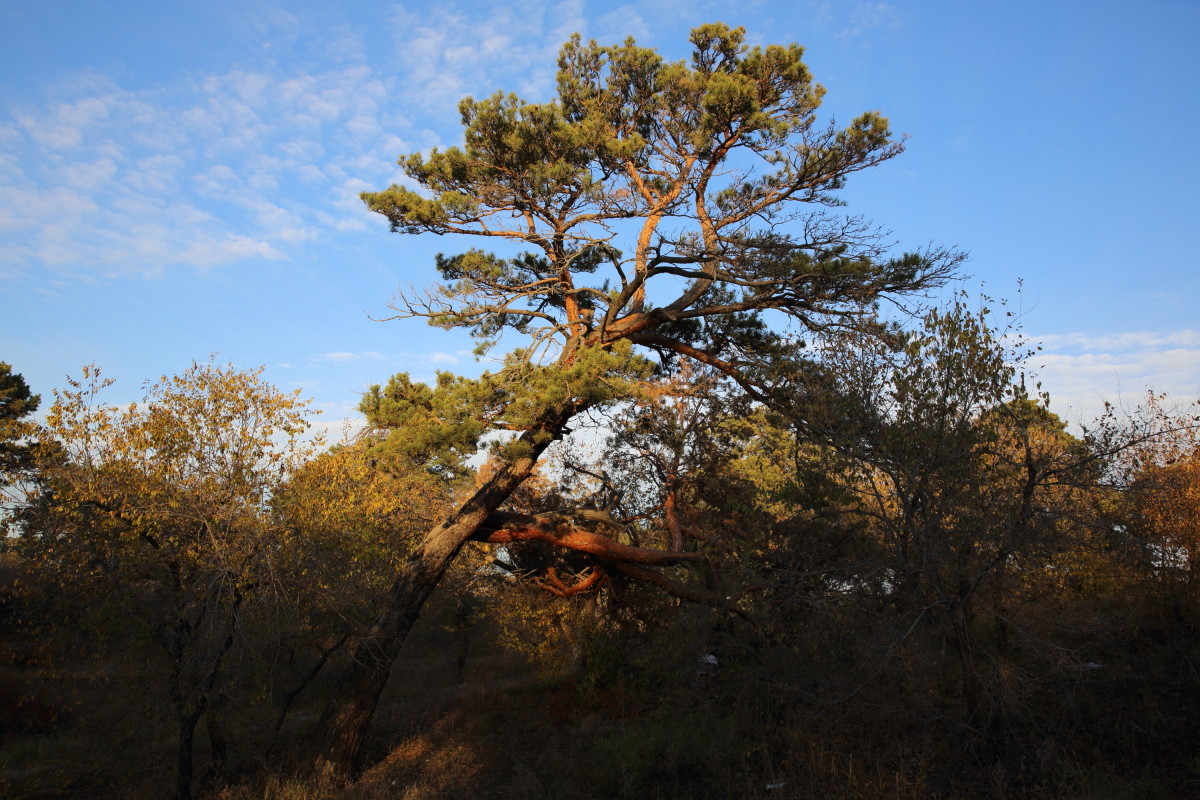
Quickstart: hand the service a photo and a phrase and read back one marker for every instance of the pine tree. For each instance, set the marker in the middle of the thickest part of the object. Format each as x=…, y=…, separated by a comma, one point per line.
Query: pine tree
x=677, y=210
x=17, y=403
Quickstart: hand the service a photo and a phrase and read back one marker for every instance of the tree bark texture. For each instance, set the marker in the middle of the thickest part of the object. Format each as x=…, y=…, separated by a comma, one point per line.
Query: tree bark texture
x=343, y=727
x=571, y=533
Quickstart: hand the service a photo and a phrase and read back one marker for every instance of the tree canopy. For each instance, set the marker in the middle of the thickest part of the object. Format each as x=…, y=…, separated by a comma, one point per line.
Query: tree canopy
x=672, y=205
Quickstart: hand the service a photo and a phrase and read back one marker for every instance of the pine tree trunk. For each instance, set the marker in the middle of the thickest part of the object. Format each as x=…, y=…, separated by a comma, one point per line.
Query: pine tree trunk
x=217, y=743
x=671, y=510
x=343, y=727
x=183, y=755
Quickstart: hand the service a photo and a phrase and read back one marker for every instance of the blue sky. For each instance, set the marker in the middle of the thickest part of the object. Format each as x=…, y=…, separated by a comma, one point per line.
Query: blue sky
x=181, y=179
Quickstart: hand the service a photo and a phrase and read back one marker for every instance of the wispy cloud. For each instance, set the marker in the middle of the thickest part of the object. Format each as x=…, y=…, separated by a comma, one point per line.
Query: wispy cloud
x=252, y=164
x=867, y=18
x=1125, y=341
x=448, y=52
x=104, y=180
x=620, y=23
x=234, y=167
x=347, y=357
x=1082, y=371
x=339, y=357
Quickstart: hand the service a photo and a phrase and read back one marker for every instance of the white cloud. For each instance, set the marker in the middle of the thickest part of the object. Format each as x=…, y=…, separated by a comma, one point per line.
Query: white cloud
x=345, y=45
x=1083, y=371
x=64, y=125
x=1123, y=341
x=566, y=18
x=225, y=168
x=866, y=18
x=258, y=162
x=617, y=25
x=349, y=358
x=94, y=175
x=449, y=53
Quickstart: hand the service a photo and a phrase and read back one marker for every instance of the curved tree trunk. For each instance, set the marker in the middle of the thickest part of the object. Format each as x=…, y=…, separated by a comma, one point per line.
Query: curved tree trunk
x=343, y=727
x=671, y=512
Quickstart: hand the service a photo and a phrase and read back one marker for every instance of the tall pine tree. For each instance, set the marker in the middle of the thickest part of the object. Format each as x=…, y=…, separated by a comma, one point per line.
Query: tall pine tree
x=678, y=210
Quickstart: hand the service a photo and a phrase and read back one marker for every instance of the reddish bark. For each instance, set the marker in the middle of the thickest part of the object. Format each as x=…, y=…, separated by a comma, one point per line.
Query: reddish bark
x=562, y=531
x=671, y=512
x=554, y=585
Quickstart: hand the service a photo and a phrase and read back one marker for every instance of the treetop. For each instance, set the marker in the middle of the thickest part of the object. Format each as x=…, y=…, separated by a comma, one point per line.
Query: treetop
x=671, y=205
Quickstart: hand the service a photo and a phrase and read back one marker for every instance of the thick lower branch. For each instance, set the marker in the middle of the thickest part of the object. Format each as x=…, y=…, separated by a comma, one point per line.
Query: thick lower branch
x=553, y=584
x=569, y=532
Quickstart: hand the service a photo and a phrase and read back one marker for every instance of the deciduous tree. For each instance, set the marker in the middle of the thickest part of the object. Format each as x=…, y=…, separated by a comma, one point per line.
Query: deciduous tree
x=974, y=489
x=164, y=507
x=1162, y=504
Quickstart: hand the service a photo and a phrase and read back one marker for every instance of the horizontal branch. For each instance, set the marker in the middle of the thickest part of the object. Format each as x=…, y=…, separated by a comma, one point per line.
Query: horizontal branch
x=572, y=533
